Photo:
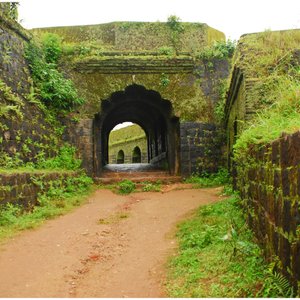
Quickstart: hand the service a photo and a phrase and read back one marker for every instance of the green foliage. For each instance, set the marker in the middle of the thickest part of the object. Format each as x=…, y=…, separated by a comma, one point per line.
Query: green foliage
x=176, y=28
x=165, y=50
x=55, y=90
x=164, y=80
x=9, y=162
x=15, y=102
x=9, y=214
x=219, y=50
x=175, y=24
x=207, y=180
x=276, y=286
x=51, y=47
x=281, y=116
x=217, y=257
x=126, y=187
x=151, y=187
x=65, y=159
x=263, y=54
x=219, y=110
x=61, y=197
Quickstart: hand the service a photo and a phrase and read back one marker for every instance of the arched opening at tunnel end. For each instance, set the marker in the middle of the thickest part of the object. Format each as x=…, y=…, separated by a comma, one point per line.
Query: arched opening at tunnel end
x=152, y=113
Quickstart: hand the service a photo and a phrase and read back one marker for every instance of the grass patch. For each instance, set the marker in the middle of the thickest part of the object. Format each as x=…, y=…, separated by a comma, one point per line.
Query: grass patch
x=209, y=180
x=126, y=187
x=271, y=58
x=151, y=186
x=59, y=199
x=217, y=257
x=113, y=218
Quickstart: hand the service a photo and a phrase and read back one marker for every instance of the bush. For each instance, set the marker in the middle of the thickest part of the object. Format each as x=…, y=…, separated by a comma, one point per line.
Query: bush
x=52, y=47
x=55, y=90
x=206, y=180
x=126, y=187
x=219, y=50
x=64, y=160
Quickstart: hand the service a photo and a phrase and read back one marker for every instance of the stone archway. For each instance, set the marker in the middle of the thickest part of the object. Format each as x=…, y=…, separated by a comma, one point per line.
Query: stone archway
x=150, y=111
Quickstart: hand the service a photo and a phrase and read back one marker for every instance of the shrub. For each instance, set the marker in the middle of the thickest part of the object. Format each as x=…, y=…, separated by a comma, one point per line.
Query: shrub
x=219, y=50
x=52, y=47
x=64, y=160
x=126, y=187
x=55, y=90
x=214, y=179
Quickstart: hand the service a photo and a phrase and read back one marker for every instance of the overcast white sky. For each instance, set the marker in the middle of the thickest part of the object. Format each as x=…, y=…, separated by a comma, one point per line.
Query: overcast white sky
x=233, y=17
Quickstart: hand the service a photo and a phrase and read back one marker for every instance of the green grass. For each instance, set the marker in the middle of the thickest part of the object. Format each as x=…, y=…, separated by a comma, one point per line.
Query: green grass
x=282, y=116
x=58, y=200
x=269, y=57
x=217, y=257
x=151, y=186
x=209, y=180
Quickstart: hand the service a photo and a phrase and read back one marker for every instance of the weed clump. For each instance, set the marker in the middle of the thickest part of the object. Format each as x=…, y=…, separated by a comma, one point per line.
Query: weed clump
x=209, y=180
x=126, y=187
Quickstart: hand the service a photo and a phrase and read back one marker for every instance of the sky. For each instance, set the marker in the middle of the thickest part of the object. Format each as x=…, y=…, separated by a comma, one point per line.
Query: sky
x=233, y=17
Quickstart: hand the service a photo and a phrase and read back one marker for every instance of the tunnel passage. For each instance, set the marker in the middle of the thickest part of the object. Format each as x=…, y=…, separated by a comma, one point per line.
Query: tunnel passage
x=146, y=108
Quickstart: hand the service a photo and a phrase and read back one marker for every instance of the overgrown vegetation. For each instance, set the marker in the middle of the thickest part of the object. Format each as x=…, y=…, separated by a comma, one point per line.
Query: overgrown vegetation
x=217, y=257
x=209, y=179
x=271, y=57
x=60, y=198
x=174, y=23
x=126, y=187
x=151, y=186
x=219, y=50
x=65, y=159
x=14, y=104
x=52, y=87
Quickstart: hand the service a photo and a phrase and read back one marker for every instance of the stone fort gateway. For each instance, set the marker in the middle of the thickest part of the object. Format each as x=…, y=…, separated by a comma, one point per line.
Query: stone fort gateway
x=192, y=96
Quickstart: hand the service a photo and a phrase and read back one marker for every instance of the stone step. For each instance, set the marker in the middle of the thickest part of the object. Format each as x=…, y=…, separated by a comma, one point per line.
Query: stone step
x=140, y=179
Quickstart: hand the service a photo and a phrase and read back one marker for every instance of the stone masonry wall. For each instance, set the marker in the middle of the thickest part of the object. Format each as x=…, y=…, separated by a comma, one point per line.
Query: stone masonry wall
x=201, y=148
x=128, y=147
x=23, y=188
x=81, y=135
x=25, y=131
x=269, y=181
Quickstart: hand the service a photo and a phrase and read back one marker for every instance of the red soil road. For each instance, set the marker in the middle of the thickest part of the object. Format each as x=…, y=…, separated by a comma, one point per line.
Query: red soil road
x=122, y=255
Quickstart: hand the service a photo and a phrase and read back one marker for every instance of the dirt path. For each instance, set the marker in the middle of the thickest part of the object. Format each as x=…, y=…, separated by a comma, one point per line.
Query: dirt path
x=113, y=246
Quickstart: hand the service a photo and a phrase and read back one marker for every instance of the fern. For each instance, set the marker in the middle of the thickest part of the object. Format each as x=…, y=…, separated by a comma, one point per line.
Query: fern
x=276, y=286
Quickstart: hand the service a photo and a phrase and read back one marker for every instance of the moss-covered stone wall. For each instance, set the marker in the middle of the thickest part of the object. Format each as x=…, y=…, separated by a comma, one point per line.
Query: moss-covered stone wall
x=137, y=36
x=107, y=58
x=266, y=170
x=23, y=188
x=25, y=131
x=269, y=181
x=201, y=148
x=102, y=59
x=260, y=62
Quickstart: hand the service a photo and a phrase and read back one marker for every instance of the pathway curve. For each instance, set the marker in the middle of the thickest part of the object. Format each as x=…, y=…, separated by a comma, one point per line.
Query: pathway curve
x=113, y=246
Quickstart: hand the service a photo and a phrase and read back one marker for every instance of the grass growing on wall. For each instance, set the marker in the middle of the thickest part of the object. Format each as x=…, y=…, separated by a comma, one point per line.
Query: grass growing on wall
x=271, y=58
x=281, y=116
x=56, y=91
